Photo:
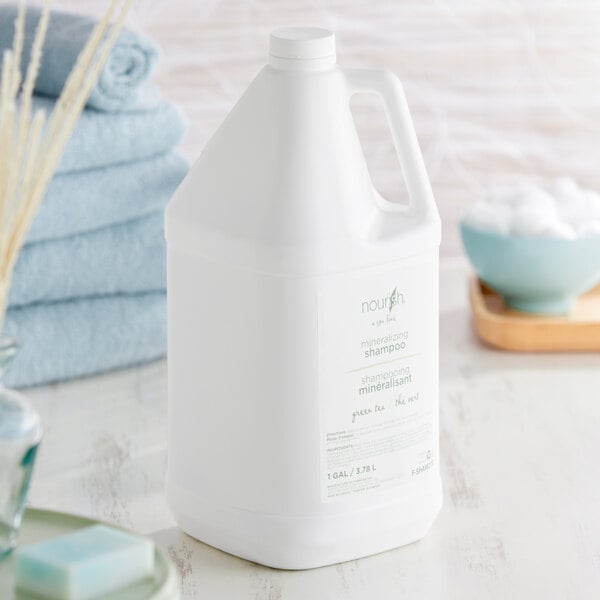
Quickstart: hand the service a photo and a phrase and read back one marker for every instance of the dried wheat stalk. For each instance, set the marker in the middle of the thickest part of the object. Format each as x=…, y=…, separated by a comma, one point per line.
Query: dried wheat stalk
x=31, y=145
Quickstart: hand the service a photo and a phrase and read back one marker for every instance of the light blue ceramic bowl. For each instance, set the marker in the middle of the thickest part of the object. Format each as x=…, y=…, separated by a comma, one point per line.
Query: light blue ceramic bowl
x=535, y=275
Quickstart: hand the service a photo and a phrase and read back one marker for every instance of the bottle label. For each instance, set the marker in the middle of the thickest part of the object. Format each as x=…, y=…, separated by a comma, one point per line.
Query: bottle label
x=378, y=362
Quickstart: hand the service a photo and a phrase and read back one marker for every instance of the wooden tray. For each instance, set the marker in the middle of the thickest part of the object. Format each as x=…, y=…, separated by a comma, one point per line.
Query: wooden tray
x=508, y=329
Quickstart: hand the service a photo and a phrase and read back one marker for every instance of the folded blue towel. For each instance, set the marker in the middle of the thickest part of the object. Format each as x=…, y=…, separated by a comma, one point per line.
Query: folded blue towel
x=123, y=259
x=82, y=337
x=102, y=139
x=124, y=82
x=90, y=200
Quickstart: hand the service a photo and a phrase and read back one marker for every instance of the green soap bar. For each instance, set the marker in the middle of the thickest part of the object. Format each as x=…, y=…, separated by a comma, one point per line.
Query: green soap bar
x=85, y=564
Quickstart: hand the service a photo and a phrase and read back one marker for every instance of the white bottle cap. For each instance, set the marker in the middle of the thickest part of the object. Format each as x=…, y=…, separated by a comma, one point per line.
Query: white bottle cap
x=302, y=43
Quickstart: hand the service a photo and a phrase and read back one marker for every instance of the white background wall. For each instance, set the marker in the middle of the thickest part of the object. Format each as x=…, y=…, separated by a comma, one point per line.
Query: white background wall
x=499, y=89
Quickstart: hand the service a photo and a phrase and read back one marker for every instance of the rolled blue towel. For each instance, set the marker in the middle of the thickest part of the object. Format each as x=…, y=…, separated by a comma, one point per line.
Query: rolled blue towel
x=83, y=337
x=124, y=81
x=123, y=259
x=102, y=139
x=90, y=200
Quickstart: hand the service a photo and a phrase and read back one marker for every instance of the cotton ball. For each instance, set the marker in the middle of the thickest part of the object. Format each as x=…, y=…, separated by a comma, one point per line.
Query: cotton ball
x=510, y=196
x=530, y=221
x=563, y=210
x=589, y=229
x=538, y=199
x=593, y=203
x=584, y=212
x=535, y=221
x=571, y=202
x=559, y=230
x=489, y=217
x=565, y=188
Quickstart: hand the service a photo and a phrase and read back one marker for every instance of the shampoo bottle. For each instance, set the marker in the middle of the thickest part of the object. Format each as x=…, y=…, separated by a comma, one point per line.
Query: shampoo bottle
x=303, y=325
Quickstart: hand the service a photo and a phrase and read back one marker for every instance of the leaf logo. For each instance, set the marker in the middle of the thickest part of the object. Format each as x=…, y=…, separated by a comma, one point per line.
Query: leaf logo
x=394, y=298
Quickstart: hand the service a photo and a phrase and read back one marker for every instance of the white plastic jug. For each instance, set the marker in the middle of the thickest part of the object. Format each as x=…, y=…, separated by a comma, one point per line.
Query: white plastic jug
x=303, y=325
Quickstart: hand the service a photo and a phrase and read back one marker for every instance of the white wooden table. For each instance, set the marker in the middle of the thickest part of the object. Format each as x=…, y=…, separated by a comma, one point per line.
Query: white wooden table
x=520, y=444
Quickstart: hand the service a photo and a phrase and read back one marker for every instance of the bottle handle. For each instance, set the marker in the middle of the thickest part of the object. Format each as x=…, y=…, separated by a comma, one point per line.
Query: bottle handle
x=388, y=87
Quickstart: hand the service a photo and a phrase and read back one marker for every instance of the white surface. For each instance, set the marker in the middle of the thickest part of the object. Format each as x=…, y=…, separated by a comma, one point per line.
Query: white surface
x=519, y=457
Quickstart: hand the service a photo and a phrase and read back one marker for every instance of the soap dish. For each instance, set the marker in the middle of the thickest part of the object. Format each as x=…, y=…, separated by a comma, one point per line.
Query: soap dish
x=501, y=327
x=39, y=525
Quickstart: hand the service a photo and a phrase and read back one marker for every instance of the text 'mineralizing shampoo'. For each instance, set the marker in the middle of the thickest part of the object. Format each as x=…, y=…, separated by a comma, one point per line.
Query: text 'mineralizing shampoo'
x=303, y=325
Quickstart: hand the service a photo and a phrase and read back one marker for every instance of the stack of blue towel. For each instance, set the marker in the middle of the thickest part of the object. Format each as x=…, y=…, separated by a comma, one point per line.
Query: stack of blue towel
x=88, y=292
